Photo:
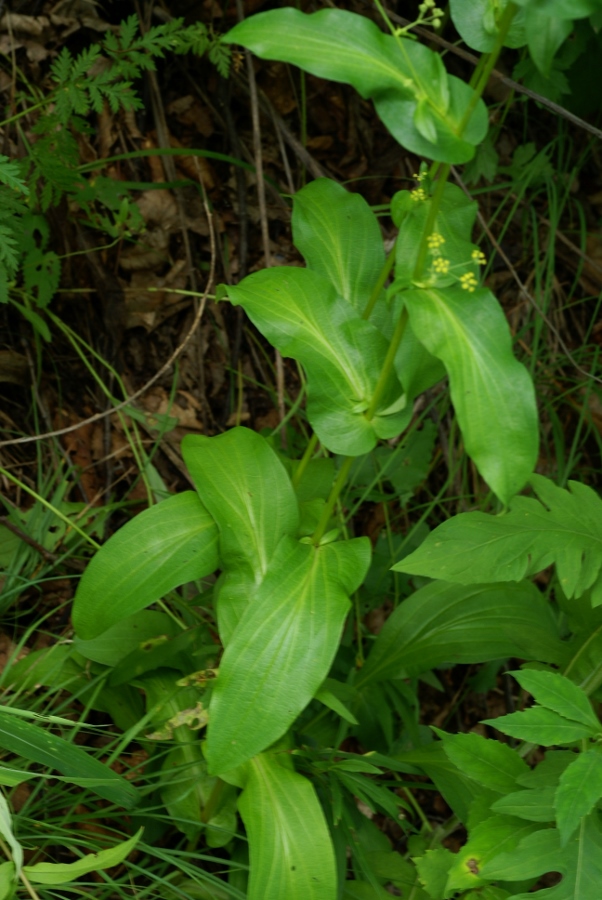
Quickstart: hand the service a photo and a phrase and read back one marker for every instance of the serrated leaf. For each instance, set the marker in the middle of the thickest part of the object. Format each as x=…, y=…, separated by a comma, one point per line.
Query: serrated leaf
x=290, y=848
x=541, y=726
x=486, y=840
x=579, y=790
x=163, y=547
x=281, y=651
x=580, y=863
x=446, y=623
x=433, y=870
x=560, y=527
x=553, y=690
x=492, y=764
x=492, y=392
x=395, y=73
x=536, y=805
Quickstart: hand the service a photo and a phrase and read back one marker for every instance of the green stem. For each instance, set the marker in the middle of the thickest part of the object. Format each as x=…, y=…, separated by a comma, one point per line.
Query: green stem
x=488, y=63
x=430, y=220
x=388, y=364
x=304, y=461
x=332, y=499
x=380, y=283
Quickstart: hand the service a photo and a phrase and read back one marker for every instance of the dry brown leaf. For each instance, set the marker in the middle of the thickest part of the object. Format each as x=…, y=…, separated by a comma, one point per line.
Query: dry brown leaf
x=15, y=22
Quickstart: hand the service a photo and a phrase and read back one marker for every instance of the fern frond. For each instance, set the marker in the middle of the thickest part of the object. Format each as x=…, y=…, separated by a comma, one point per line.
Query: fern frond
x=10, y=175
x=562, y=527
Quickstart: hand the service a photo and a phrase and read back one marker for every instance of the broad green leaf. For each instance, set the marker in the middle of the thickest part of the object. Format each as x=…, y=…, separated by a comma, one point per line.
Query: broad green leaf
x=580, y=863
x=398, y=74
x=562, y=527
x=163, y=547
x=492, y=392
x=245, y=487
x=541, y=726
x=282, y=649
x=579, y=790
x=453, y=226
x=536, y=805
x=486, y=841
x=301, y=314
x=339, y=237
x=7, y=880
x=494, y=765
x=63, y=873
x=553, y=690
x=477, y=22
x=231, y=473
x=433, y=870
x=563, y=9
x=545, y=35
x=39, y=745
x=117, y=642
x=291, y=854
x=447, y=623
x=8, y=836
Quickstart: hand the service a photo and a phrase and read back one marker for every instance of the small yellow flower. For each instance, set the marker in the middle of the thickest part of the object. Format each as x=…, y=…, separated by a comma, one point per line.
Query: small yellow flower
x=419, y=176
x=418, y=194
x=479, y=257
x=441, y=265
x=435, y=240
x=468, y=281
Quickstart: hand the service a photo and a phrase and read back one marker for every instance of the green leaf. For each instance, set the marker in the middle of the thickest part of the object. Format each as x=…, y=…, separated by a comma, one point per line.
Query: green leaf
x=446, y=623
x=7, y=834
x=545, y=34
x=563, y=9
x=433, y=870
x=397, y=74
x=63, y=873
x=301, y=314
x=486, y=840
x=282, y=649
x=339, y=237
x=580, y=863
x=39, y=745
x=541, y=726
x=492, y=764
x=553, y=690
x=477, y=22
x=579, y=790
x=562, y=527
x=232, y=473
x=7, y=880
x=117, y=642
x=41, y=275
x=492, y=392
x=536, y=805
x=163, y=547
x=291, y=854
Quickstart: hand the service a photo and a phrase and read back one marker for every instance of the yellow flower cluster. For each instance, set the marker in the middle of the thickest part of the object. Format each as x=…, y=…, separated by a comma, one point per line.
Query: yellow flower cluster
x=468, y=282
x=435, y=241
x=418, y=194
x=441, y=265
x=479, y=257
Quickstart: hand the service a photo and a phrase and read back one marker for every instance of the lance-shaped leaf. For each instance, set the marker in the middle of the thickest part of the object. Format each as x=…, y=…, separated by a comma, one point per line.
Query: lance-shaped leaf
x=163, y=547
x=562, y=527
x=447, y=623
x=491, y=391
x=542, y=726
x=300, y=313
x=41, y=746
x=64, y=873
x=290, y=849
x=578, y=792
x=579, y=863
x=553, y=690
x=339, y=237
x=282, y=649
x=247, y=490
x=422, y=106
